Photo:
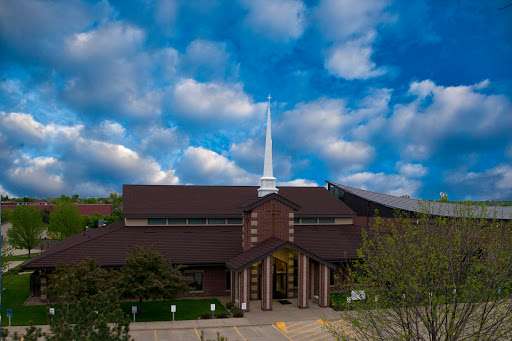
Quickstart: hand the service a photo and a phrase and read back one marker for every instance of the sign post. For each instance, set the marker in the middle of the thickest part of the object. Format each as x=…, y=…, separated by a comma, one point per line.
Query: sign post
x=173, y=310
x=212, y=308
x=9, y=315
x=134, y=311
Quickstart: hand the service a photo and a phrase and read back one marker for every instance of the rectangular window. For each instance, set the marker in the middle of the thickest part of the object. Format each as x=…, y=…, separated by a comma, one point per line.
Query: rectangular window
x=197, y=221
x=326, y=220
x=296, y=220
x=295, y=272
x=309, y=220
x=228, y=280
x=331, y=278
x=197, y=276
x=235, y=221
x=156, y=221
x=177, y=221
x=216, y=221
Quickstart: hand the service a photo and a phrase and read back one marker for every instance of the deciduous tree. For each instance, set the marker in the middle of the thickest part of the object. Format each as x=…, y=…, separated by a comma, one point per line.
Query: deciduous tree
x=27, y=228
x=431, y=278
x=147, y=274
x=65, y=221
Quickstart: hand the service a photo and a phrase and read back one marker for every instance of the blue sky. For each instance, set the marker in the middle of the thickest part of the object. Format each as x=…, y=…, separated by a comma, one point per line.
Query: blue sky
x=398, y=97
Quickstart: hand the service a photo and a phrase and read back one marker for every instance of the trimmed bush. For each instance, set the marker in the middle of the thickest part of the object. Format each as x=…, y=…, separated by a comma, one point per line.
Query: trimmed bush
x=238, y=313
x=230, y=305
x=206, y=316
x=221, y=315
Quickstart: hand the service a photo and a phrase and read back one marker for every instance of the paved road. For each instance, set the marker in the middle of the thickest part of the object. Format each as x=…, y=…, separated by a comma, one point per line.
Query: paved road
x=291, y=331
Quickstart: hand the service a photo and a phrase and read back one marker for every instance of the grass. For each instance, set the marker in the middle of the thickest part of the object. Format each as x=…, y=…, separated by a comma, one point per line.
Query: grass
x=17, y=291
x=25, y=258
x=188, y=309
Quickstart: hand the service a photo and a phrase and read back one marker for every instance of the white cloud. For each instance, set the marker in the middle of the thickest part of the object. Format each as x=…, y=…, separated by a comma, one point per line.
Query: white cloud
x=438, y=113
x=199, y=165
x=298, y=183
x=341, y=20
x=350, y=27
x=41, y=174
x=107, y=41
x=491, y=184
x=352, y=60
x=321, y=127
x=163, y=140
x=214, y=101
x=411, y=170
x=209, y=60
x=393, y=184
x=277, y=20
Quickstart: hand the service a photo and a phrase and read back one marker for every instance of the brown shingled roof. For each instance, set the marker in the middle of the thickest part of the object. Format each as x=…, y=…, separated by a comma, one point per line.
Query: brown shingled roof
x=331, y=242
x=222, y=201
x=265, y=249
x=179, y=244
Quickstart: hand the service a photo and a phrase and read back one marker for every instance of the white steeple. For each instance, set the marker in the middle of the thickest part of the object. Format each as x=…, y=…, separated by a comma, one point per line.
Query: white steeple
x=267, y=181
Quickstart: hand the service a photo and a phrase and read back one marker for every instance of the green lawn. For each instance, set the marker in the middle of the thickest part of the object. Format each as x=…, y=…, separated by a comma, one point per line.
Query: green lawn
x=185, y=309
x=17, y=291
x=20, y=257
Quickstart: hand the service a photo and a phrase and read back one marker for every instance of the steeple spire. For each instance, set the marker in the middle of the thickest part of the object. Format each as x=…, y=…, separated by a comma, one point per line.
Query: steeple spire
x=267, y=181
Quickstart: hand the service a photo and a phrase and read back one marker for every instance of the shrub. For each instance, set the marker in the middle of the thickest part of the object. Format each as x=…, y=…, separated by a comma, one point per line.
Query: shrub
x=221, y=315
x=238, y=313
x=230, y=305
x=206, y=316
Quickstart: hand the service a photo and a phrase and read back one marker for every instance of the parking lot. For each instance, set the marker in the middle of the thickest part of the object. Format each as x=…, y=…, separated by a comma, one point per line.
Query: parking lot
x=291, y=331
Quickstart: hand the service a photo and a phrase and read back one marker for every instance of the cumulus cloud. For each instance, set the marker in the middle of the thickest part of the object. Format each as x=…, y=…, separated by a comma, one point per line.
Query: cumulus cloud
x=209, y=60
x=351, y=29
x=319, y=127
x=78, y=161
x=352, y=60
x=298, y=183
x=199, y=165
x=411, y=170
x=214, y=101
x=490, y=184
x=393, y=184
x=460, y=114
x=277, y=20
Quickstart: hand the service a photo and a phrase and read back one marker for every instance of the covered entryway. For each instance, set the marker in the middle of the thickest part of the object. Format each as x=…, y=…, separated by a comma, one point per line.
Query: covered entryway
x=278, y=269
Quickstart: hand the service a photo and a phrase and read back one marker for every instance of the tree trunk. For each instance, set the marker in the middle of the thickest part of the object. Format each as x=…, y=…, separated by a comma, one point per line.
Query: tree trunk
x=28, y=252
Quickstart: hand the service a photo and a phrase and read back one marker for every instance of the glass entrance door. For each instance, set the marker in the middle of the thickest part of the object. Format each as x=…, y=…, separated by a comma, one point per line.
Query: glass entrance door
x=279, y=271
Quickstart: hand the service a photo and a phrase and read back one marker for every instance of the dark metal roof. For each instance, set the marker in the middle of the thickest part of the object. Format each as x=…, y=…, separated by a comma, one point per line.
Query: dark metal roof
x=432, y=207
x=265, y=249
x=142, y=201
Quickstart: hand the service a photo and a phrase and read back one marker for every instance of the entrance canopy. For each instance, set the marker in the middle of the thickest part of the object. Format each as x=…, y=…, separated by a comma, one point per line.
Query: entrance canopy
x=266, y=248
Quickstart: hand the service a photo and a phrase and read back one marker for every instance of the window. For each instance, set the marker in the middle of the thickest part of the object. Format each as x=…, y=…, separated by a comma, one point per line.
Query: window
x=216, y=221
x=309, y=220
x=228, y=280
x=177, y=221
x=234, y=220
x=331, y=278
x=296, y=220
x=156, y=221
x=197, y=276
x=326, y=220
x=295, y=272
x=197, y=221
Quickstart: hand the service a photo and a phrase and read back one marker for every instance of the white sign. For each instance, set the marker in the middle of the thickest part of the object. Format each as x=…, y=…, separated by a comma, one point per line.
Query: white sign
x=244, y=306
x=212, y=307
x=173, y=308
x=358, y=295
x=134, y=309
x=52, y=311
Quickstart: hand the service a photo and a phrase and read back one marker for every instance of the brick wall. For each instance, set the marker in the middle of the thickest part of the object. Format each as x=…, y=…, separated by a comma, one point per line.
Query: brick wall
x=214, y=282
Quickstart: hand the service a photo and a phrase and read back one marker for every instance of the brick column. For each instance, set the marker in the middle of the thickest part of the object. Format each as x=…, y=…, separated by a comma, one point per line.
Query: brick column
x=266, y=285
x=43, y=278
x=289, y=294
x=303, y=294
x=244, y=289
x=324, y=290
x=234, y=286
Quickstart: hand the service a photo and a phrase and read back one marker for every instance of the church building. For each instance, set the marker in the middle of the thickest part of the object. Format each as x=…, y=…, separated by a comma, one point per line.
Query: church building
x=253, y=244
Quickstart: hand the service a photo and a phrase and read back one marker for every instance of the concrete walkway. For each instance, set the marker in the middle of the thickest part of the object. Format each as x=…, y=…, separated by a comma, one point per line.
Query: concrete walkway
x=12, y=264
x=266, y=321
